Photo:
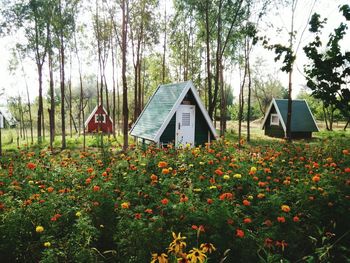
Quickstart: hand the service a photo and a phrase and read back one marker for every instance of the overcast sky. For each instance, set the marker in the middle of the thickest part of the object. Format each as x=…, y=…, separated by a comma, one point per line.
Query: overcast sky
x=275, y=25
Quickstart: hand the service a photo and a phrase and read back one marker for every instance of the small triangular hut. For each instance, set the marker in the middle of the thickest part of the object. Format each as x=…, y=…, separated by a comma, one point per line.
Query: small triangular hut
x=99, y=120
x=7, y=119
x=174, y=115
x=303, y=123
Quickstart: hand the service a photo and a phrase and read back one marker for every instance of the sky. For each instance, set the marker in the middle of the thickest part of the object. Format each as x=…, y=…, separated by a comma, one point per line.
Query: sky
x=275, y=25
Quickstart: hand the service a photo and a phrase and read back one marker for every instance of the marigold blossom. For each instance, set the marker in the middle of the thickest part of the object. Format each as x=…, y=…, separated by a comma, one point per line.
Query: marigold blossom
x=239, y=233
x=281, y=219
x=164, y=201
x=162, y=164
x=285, y=208
x=125, y=205
x=246, y=202
x=39, y=229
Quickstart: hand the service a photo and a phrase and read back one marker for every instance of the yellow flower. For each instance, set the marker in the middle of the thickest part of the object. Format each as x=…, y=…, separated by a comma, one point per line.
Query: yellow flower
x=78, y=214
x=47, y=244
x=237, y=176
x=250, y=197
x=226, y=177
x=253, y=170
x=196, y=255
x=39, y=229
x=207, y=247
x=197, y=190
x=285, y=208
x=162, y=258
x=125, y=205
x=178, y=244
x=213, y=187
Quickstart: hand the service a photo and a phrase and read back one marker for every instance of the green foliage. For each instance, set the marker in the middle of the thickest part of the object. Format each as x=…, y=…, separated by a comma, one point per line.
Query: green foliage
x=328, y=72
x=121, y=207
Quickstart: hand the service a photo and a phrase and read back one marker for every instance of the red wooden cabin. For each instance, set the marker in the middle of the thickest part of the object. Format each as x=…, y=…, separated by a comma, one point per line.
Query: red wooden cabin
x=99, y=120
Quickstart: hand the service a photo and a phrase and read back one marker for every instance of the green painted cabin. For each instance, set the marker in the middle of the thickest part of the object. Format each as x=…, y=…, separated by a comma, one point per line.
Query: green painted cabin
x=175, y=115
x=303, y=123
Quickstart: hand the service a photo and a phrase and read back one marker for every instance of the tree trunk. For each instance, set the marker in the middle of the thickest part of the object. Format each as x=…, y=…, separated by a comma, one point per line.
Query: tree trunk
x=52, y=97
x=113, y=94
x=40, y=106
x=241, y=102
x=207, y=33
x=249, y=92
x=164, y=44
x=62, y=84
x=125, y=14
x=70, y=101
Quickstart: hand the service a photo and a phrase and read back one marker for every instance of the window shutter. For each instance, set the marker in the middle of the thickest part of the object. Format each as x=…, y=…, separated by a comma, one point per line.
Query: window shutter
x=186, y=119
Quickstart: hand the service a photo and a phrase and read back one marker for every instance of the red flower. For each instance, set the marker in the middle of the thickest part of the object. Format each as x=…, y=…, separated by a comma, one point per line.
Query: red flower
x=209, y=201
x=282, y=244
x=55, y=217
x=96, y=188
x=138, y=216
x=164, y=201
x=239, y=233
x=31, y=166
x=281, y=219
x=347, y=170
x=247, y=220
x=268, y=242
x=296, y=219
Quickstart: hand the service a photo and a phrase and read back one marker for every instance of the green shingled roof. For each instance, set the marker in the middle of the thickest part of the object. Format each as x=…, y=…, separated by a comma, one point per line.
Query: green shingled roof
x=302, y=119
x=157, y=110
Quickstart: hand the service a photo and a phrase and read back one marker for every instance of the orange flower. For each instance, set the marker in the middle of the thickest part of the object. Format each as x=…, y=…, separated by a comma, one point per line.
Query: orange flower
x=296, y=219
x=285, y=208
x=219, y=172
x=346, y=152
x=90, y=170
x=246, y=202
x=125, y=205
x=31, y=166
x=165, y=171
x=96, y=188
x=149, y=211
x=228, y=196
x=281, y=219
x=183, y=198
x=209, y=201
x=239, y=233
x=162, y=164
x=164, y=201
x=261, y=195
x=316, y=178
x=50, y=189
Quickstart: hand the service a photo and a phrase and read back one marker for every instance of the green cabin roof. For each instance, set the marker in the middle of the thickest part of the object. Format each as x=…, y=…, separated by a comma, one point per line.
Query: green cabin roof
x=160, y=109
x=302, y=118
x=157, y=110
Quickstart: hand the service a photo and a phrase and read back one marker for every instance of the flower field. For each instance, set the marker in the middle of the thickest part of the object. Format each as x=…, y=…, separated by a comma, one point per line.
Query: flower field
x=216, y=203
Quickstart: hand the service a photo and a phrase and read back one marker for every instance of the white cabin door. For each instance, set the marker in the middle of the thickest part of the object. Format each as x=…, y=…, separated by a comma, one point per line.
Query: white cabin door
x=185, y=125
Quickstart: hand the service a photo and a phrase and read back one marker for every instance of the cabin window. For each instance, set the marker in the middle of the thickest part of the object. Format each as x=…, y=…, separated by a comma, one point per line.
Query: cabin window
x=100, y=118
x=274, y=119
x=186, y=119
